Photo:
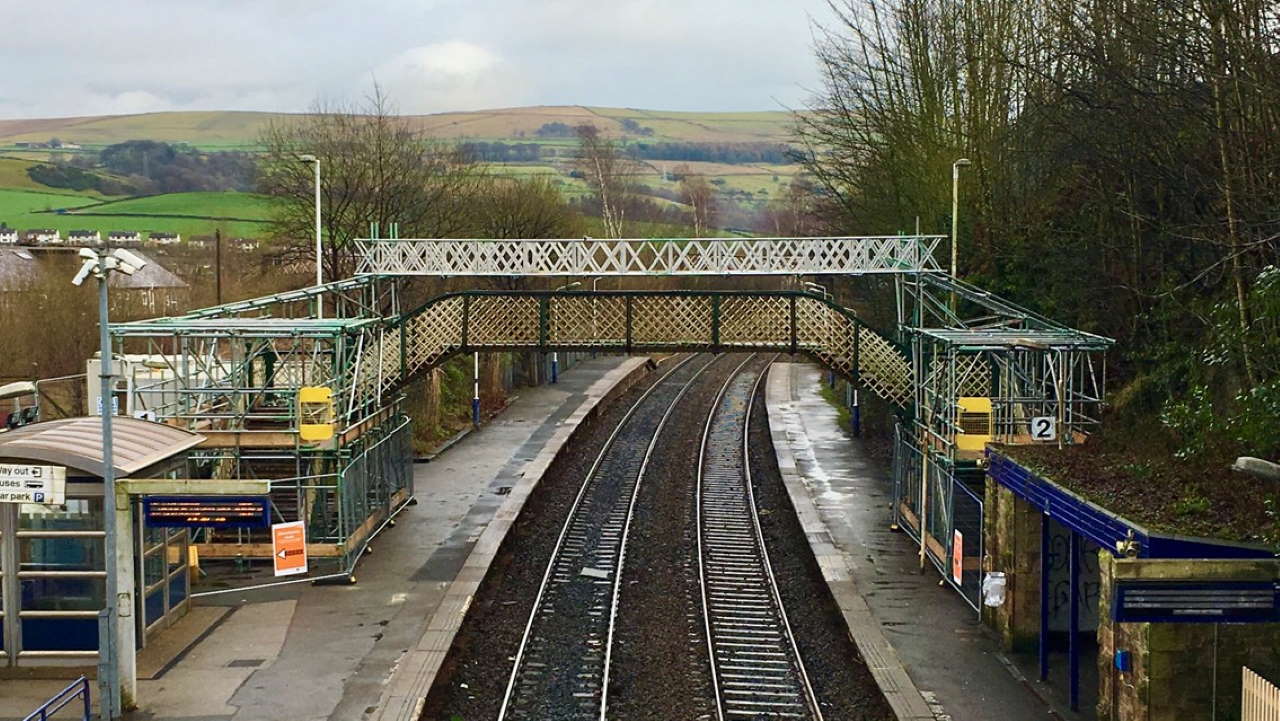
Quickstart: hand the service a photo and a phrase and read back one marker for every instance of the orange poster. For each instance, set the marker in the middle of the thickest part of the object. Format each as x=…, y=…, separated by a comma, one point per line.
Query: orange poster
x=289, y=548
x=957, y=558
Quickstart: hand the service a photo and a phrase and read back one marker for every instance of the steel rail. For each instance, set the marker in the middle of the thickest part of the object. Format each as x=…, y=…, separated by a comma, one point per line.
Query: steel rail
x=756, y=667
x=508, y=709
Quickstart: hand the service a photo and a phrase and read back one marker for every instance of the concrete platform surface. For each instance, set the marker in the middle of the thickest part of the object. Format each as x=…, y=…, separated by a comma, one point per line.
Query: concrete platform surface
x=951, y=659
x=315, y=653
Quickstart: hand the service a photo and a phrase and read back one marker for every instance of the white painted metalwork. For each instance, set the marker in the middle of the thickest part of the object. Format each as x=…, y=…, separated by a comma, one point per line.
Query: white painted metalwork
x=665, y=256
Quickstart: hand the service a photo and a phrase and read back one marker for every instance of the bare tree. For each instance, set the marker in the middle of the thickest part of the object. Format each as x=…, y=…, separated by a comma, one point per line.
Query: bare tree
x=609, y=175
x=533, y=208
x=700, y=196
x=375, y=168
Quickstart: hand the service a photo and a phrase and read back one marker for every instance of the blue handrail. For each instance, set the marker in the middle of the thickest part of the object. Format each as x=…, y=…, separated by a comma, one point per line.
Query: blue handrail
x=79, y=689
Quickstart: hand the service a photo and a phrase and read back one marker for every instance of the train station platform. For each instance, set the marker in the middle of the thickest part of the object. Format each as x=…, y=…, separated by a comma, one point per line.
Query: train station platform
x=903, y=620
x=313, y=653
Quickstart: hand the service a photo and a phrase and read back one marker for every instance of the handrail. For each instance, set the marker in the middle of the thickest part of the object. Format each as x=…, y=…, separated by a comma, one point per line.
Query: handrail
x=78, y=689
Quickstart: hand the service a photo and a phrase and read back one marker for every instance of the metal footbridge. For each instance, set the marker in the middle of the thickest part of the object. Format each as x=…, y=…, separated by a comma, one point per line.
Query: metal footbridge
x=233, y=371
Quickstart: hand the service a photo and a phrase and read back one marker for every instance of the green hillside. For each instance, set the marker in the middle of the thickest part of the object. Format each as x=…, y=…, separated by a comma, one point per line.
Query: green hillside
x=231, y=205
x=173, y=213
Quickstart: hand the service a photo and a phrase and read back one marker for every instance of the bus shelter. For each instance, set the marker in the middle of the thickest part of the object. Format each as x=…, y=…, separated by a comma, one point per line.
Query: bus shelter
x=52, y=557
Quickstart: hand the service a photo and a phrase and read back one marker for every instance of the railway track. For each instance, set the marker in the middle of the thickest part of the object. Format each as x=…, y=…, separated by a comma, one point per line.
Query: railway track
x=757, y=670
x=561, y=669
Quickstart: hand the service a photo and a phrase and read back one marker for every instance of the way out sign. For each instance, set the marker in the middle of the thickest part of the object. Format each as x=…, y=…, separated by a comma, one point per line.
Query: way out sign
x=33, y=484
x=289, y=548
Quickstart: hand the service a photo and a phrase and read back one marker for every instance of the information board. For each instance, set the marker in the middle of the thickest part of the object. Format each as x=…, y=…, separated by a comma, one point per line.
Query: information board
x=207, y=511
x=33, y=484
x=289, y=548
x=1195, y=602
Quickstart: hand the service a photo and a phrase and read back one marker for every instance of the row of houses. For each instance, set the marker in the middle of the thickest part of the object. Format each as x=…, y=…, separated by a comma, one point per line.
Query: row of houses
x=117, y=238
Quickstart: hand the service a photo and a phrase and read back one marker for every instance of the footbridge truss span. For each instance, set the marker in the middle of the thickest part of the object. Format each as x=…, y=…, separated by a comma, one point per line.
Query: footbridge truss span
x=669, y=256
x=232, y=366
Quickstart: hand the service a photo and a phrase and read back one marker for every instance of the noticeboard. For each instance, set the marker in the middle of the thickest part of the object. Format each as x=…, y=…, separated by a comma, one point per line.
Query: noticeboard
x=33, y=484
x=289, y=548
x=207, y=511
x=1195, y=602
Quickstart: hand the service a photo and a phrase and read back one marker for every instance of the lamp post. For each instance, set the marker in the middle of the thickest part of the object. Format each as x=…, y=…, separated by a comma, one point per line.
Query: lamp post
x=314, y=162
x=118, y=649
x=955, y=217
x=555, y=357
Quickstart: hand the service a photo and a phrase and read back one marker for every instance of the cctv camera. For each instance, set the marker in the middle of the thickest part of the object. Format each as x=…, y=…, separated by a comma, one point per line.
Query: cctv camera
x=89, y=253
x=85, y=269
x=132, y=259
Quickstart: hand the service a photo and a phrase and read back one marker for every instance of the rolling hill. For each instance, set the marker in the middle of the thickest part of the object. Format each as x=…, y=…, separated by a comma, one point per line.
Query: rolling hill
x=223, y=129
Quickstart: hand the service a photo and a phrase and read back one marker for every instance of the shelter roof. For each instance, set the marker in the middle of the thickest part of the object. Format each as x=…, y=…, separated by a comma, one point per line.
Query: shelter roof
x=77, y=443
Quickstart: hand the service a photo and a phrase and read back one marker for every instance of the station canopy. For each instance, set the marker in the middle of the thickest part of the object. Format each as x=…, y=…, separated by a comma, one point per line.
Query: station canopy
x=77, y=444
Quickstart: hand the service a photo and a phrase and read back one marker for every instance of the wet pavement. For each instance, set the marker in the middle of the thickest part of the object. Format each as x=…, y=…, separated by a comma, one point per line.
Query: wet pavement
x=952, y=659
x=313, y=653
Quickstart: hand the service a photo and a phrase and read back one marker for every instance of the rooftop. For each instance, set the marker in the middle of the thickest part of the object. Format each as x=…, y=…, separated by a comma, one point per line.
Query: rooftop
x=77, y=443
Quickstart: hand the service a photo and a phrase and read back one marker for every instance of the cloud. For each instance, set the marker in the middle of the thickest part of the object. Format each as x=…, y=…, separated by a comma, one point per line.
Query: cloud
x=453, y=75
x=430, y=55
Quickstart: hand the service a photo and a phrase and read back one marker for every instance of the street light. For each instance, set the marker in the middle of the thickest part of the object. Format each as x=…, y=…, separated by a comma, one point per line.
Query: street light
x=315, y=163
x=100, y=266
x=555, y=357
x=955, y=216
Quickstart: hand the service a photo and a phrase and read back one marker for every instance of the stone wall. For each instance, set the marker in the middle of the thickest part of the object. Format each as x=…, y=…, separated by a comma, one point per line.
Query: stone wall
x=1012, y=538
x=1180, y=671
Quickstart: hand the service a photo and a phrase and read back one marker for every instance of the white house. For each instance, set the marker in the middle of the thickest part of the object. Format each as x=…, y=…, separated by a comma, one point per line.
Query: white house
x=43, y=236
x=165, y=238
x=84, y=237
x=124, y=237
x=8, y=236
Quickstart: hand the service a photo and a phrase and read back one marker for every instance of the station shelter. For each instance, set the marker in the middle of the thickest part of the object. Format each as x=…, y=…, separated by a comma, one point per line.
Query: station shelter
x=52, y=557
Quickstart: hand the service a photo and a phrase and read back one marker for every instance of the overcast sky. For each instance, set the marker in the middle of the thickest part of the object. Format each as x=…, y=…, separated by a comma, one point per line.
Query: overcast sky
x=89, y=57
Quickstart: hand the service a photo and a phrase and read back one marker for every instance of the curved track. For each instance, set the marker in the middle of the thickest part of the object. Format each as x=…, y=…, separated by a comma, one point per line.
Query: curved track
x=756, y=667
x=561, y=669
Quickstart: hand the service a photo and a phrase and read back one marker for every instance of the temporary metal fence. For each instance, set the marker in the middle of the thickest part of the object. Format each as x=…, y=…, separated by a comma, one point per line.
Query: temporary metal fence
x=950, y=535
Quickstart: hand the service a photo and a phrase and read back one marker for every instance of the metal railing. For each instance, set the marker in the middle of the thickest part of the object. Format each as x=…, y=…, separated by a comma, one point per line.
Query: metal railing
x=78, y=690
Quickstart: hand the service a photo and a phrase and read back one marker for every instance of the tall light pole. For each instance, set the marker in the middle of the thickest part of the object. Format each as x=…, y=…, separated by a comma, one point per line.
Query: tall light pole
x=100, y=266
x=314, y=162
x=955, y=217
x=555, y=357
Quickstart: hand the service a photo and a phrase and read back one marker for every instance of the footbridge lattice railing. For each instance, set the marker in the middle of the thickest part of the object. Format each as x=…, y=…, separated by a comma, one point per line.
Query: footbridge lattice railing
x=639, y=321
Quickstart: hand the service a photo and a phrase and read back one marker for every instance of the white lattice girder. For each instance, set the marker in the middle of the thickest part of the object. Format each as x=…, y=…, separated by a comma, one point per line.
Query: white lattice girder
x=672, y=256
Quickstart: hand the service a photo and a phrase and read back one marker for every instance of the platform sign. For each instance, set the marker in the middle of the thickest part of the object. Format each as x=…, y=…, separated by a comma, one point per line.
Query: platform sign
x=1195, y=601
x=289, y=548
x=957, y=557
x=207, y=511
x=33, y=484
x=1044, y=428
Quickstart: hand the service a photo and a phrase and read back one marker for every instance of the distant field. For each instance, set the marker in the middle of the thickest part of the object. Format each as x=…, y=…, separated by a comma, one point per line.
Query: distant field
x=244, y=206
x=25, y=210
x=233, y=130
